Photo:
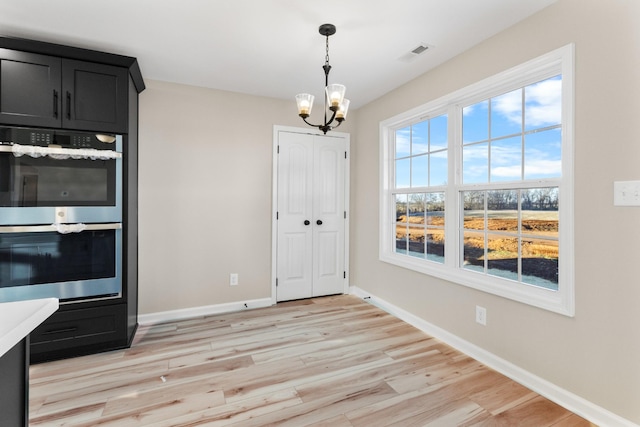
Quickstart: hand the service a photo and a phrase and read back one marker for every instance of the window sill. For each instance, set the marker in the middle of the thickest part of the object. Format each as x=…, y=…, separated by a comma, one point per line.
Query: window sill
x=559, y=301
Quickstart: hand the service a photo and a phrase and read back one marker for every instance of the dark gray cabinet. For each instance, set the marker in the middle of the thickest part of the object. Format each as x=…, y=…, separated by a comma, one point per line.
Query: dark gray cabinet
x=14, y=372
x=47, y=91
x=55, y=86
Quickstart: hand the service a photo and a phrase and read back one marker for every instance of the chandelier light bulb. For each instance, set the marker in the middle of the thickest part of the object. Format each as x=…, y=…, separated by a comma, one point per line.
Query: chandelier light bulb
x=335, y=94
x=305, y=103
x=341, y=114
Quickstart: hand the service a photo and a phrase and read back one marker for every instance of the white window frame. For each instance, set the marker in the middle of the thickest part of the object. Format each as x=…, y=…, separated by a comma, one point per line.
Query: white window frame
x=559, y=61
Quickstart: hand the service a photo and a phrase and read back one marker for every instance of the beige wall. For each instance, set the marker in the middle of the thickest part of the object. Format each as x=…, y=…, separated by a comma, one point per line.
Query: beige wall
x=596, y=354
x=205, y=204
x=205, y=194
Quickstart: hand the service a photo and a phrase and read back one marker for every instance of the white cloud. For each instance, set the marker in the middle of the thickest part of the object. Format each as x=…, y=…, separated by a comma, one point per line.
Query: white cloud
x=543, y=104
x=541, y=167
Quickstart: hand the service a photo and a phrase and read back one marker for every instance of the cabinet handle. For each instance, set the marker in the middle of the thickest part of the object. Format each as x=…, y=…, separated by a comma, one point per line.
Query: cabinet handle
x=307, y=222
x=68, y=105
x=55, y=104
x=319, y=222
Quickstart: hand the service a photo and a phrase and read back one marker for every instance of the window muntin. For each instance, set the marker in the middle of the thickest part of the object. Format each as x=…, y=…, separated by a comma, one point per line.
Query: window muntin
x=512, y=234
x=421, y=161
x=514, y=136
x=421, y=153
x=420, y=225
x=517, y=144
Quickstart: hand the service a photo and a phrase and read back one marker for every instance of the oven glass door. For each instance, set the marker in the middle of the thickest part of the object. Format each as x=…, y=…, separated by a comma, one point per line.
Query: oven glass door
x=34, y=189
x=77, y=265
x=27, y=181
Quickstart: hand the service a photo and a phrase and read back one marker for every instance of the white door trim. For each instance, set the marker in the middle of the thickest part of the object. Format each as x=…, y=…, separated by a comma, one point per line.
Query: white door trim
x=274, y=201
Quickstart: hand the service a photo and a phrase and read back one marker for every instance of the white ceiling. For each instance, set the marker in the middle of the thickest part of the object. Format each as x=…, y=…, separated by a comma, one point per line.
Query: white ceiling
x=270, y=47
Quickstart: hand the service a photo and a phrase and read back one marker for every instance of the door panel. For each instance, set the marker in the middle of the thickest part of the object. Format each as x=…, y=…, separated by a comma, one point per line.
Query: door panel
x=294, y=252
x=328, y=207
x=294, y=266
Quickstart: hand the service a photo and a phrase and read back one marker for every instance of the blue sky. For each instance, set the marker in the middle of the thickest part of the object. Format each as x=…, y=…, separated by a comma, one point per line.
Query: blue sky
x=495, y=133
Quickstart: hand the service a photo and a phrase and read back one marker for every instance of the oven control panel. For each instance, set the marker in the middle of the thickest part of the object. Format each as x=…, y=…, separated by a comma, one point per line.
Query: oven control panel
x=46, y=137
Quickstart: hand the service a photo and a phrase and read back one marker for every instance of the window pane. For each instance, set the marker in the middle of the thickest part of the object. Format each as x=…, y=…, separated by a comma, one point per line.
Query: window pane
x=417, y=208
x=543, y=103
x=473, y=202
x=506, y=159
x=438, y=168
x=420, y=138
x=403, y=142
x=435, y=245
x=435, y=222
x=403, y=173
x=502, y=210
x=473, y=251
x=438, y=133
x=540, y=263
x=420, y=171
x=503, y=256
x=540, y=215
x=543, y=154
x=475, y=122
x=401, y=223
x=475, y=161
x=506, y=114
x=401, y=208
x=416, y=241
x=435, y=209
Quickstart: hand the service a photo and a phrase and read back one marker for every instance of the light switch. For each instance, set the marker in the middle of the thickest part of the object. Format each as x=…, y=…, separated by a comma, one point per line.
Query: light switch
x=626, y=193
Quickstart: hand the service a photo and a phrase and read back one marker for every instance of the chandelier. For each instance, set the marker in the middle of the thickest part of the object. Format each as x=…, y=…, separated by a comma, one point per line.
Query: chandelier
x=335, y=104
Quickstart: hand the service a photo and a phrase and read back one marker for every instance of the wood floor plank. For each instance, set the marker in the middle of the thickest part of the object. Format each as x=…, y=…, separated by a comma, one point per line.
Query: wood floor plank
x=334, y=361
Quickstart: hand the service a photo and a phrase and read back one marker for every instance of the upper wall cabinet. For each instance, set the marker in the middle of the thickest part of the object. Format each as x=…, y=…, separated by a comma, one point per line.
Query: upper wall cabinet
x=48, y=91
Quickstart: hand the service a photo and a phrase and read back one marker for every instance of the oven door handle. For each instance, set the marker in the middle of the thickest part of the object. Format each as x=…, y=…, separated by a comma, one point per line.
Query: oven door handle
x=54, y=227
x=60, y=152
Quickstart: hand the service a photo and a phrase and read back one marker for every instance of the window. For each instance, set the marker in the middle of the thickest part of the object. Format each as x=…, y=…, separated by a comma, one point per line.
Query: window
x=477, y=187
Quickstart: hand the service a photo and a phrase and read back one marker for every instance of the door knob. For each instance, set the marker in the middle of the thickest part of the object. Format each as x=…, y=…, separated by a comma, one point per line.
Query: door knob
x=319, y=222
x=306, y=222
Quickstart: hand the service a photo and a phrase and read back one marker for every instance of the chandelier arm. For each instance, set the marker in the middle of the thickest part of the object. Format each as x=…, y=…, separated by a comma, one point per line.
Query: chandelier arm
x=333, y=116
x=310, y=124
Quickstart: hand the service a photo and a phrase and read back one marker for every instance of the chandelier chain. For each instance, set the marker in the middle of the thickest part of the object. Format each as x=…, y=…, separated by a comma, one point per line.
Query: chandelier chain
x=326, y=58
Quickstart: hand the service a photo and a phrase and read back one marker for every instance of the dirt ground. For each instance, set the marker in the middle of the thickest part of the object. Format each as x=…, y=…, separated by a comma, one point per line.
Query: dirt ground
x=539, y=255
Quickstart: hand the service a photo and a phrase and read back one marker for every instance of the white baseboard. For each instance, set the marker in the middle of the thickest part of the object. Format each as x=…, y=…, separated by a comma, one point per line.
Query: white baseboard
x=208, y=310
x=562, y=397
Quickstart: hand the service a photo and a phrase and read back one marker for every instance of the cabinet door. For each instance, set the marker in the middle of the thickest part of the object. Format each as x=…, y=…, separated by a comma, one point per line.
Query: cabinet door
x=95, y=96
x=29, y=89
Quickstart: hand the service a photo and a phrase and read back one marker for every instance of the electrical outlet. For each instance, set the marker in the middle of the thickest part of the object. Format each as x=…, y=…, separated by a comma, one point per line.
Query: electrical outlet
x=481, y=315
x=233, y=279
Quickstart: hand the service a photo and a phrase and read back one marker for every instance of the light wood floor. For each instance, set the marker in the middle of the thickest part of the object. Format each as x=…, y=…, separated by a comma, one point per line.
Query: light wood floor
x=334, y=361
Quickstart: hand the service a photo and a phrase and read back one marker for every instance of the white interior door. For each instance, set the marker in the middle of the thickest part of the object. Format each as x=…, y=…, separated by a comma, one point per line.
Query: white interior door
x=310, y=249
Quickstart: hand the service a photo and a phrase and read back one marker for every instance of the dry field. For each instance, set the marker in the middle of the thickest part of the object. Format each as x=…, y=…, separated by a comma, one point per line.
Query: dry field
x=539, y=253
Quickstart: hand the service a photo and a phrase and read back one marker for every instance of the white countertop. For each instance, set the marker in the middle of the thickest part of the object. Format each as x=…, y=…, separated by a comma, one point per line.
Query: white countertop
x=18, y=319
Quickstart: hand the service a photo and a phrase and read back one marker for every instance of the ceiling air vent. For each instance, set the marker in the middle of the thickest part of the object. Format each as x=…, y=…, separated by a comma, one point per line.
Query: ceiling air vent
x=414, y=53
x=419, y=49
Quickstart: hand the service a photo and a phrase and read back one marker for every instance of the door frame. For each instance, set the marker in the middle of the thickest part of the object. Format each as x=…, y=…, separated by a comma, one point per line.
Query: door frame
x=274, y=201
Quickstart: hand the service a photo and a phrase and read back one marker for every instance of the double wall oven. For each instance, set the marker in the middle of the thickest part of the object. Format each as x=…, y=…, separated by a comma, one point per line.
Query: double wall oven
x=60, y=215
